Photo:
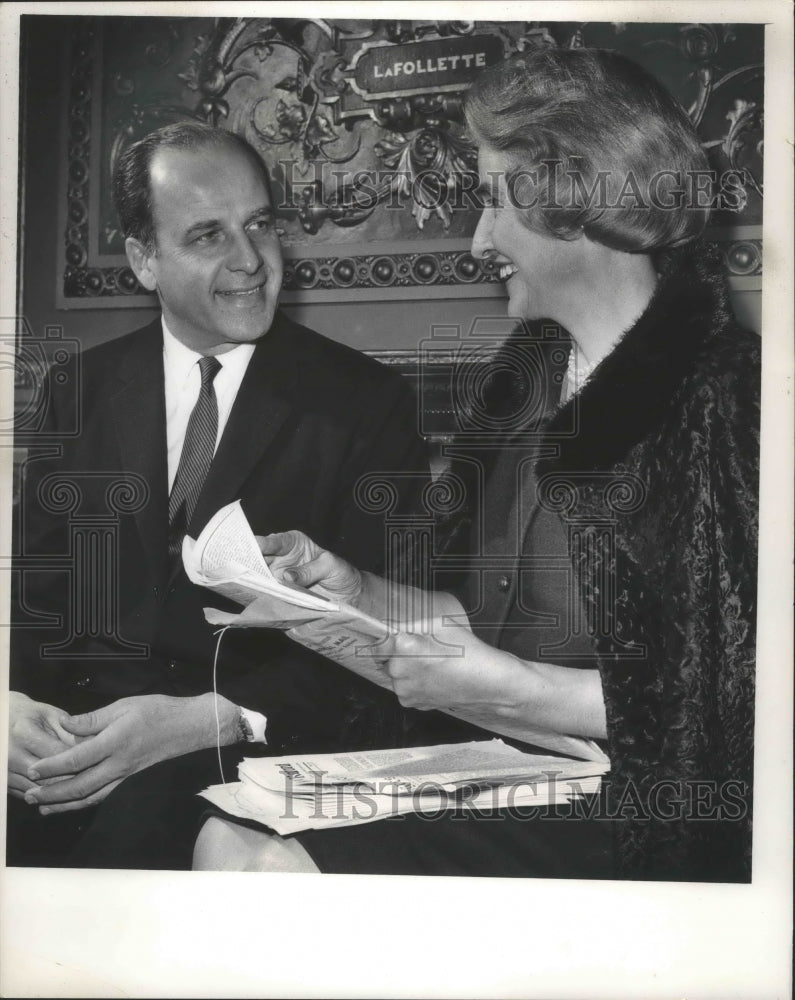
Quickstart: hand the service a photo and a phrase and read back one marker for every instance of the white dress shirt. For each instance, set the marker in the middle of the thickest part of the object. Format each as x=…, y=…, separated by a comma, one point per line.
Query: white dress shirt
x=183, y=382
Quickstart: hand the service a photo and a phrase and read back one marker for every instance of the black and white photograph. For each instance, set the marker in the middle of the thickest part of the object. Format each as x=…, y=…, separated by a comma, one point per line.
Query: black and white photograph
x=398, y=489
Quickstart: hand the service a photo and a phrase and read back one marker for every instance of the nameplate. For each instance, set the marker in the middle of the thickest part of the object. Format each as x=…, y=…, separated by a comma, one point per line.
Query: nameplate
x=428, y=66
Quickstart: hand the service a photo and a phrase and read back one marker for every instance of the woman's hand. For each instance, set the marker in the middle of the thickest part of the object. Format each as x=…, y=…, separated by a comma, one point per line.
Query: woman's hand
x=295, y=558
x=454, y=671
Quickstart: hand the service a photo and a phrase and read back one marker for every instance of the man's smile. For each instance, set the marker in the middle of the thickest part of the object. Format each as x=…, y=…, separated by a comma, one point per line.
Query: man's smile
x=242, y=292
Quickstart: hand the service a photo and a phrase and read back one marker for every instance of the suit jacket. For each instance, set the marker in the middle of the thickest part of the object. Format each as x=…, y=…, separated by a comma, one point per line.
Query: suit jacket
x=311, y=418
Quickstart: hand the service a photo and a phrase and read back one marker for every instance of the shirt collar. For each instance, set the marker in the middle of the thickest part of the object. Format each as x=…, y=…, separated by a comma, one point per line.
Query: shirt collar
x=178, y=360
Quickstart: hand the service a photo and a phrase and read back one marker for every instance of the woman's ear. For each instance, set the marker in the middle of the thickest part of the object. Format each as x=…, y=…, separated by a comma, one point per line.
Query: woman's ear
x=140, y=260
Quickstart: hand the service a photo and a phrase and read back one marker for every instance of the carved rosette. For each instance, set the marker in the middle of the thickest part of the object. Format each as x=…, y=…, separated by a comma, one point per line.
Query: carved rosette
x=743, y=258
x=394, y=270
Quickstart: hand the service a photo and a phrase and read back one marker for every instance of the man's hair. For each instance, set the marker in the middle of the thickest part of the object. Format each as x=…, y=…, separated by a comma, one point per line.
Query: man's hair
x=596, y=125
x=132, y=188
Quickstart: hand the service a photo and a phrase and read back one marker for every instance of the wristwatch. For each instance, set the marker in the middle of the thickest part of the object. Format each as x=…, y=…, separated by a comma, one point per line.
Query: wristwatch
x=250, y=726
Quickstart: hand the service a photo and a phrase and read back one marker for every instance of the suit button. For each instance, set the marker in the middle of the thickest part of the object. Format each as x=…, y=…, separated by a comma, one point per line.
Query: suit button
x=172, y=665
x=83, y=682
x=504, y=584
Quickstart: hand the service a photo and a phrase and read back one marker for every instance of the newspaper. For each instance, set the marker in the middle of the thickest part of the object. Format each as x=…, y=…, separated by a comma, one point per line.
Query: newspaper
x=290, y=794
x=448, y=767
x=226, y=558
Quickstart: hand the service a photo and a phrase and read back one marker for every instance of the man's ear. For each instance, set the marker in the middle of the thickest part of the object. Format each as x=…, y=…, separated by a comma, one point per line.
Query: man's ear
x=140, y=261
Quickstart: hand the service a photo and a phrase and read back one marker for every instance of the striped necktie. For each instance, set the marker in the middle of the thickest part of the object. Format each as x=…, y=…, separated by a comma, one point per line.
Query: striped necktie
x=197, y=454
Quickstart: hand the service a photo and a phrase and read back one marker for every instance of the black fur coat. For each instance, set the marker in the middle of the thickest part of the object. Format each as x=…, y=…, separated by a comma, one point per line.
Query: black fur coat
x=662, y=478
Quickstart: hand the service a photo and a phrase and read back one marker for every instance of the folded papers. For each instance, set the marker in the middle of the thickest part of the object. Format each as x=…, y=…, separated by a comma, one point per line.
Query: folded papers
x=290, y=794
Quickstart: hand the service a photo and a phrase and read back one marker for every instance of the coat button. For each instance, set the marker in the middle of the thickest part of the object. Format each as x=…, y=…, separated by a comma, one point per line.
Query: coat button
x=83, y=682
x=172, y=665
x=504, y=584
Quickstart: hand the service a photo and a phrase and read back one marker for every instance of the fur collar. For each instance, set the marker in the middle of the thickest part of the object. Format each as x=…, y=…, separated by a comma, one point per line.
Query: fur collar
x=631, y=388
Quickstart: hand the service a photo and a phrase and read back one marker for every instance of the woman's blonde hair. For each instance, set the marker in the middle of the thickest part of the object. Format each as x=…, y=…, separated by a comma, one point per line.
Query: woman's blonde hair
x=594, y=145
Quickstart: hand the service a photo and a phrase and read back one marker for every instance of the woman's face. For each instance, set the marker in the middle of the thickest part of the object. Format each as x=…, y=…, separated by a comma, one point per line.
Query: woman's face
x=541, y=273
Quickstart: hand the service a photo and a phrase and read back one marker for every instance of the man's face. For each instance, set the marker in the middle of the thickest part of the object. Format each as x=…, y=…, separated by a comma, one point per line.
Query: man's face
x=217, y=262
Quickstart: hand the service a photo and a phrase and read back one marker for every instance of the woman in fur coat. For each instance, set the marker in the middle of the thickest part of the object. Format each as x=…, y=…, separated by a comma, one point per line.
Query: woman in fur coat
x=642, y=478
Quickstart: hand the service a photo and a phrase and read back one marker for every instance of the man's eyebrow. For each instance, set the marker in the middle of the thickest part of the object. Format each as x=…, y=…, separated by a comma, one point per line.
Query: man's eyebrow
x=259, y=212
x=201, y=225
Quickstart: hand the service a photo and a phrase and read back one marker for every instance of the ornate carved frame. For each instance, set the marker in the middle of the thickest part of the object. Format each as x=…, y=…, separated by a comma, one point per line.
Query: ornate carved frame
x=373, y=271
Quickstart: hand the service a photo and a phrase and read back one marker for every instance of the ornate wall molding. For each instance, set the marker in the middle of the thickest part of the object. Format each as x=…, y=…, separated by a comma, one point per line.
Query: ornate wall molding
x=392, y=270
x=350, y=135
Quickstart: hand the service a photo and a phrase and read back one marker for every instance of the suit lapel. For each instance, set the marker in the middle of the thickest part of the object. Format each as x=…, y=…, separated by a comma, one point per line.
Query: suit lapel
x=265, y=400
x=138, y=406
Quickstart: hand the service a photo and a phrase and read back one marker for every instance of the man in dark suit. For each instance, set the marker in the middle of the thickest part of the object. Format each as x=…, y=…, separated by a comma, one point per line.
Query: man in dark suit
x=225, y=399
